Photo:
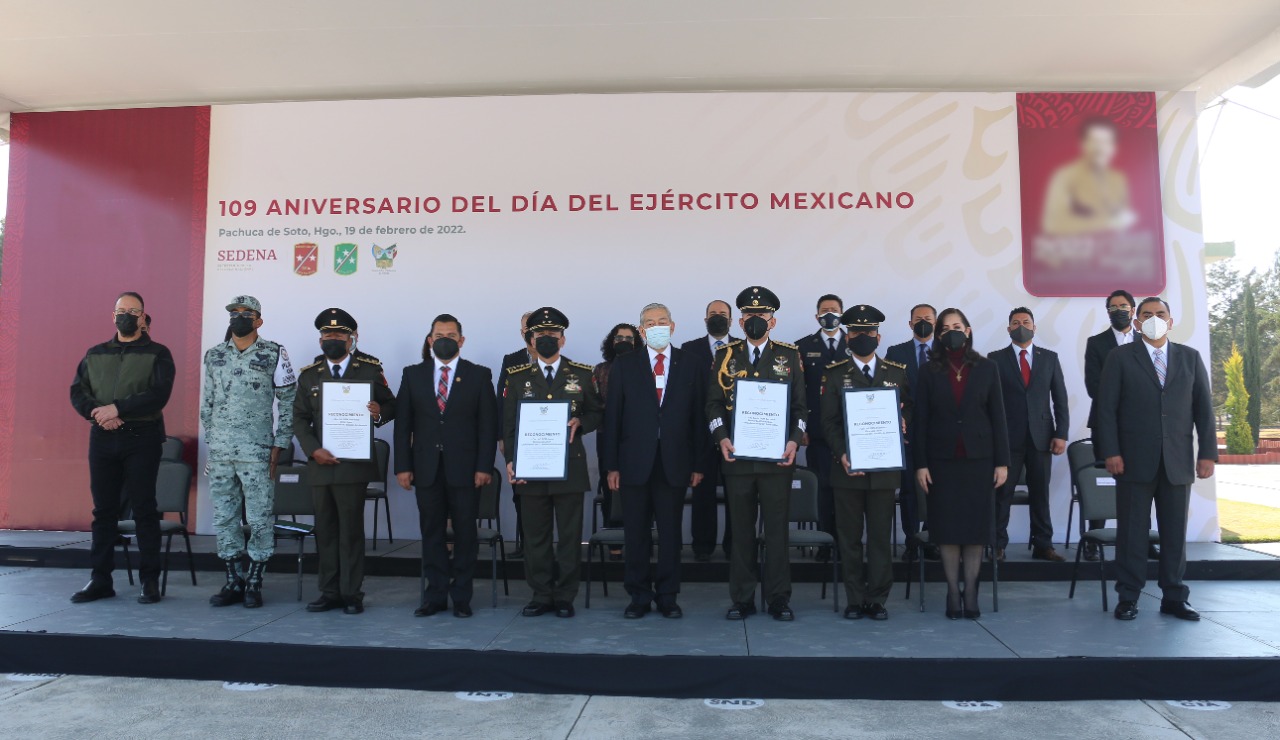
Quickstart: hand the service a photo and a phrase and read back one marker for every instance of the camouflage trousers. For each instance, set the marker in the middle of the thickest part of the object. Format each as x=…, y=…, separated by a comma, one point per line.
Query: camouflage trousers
x=230, y=485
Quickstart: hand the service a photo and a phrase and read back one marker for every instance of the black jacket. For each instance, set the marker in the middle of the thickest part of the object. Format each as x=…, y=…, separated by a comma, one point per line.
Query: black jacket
x=1038, y=409
x=136, y=376
x=816, y=355
x=979, y=419
x=1096, y=350
x=465, y=436
x=307, y=418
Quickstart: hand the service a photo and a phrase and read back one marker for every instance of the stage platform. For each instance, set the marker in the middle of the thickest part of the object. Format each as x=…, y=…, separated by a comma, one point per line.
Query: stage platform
x=1039, y=646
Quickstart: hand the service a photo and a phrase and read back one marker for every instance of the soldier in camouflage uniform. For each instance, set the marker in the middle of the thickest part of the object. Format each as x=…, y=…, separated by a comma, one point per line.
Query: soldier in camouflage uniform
x=242, y=377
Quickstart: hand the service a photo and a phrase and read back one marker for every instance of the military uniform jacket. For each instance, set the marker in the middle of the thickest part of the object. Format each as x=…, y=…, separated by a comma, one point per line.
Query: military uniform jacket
x=236, y=405
x=306, y=418
x=848, y=374
x=573, y=382
x=779, y=361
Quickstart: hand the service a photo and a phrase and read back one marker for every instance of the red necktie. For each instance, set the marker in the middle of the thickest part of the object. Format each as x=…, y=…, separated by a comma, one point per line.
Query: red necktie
x=1026, y=368
x=442, y=390
x=658, y=370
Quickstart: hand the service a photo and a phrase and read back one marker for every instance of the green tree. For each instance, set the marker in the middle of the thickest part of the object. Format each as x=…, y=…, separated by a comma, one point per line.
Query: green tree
x=1252, y=361
x=1239, y=437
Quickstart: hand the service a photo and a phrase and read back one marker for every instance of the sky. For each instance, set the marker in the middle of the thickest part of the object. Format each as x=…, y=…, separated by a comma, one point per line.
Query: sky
x=1239, y=173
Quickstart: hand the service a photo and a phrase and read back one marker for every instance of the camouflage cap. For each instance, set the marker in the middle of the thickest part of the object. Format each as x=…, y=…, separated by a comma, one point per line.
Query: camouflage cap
x=245, y=301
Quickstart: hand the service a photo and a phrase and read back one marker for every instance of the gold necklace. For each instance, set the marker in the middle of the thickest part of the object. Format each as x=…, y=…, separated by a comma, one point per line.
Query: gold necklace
x=958, y=370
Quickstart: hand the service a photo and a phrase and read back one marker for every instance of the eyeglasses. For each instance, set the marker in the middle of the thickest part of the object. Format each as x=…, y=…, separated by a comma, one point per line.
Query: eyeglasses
x=130, y=311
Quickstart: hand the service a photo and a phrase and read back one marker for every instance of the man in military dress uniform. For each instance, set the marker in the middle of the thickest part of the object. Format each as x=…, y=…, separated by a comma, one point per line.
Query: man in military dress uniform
x=243, y=376
x=338, y=486
x=548, y=506
x=862, y=497
x=756, y=486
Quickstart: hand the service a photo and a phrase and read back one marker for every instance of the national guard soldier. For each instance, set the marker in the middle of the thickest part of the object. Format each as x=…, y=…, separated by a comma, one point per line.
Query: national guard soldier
x=551, y=505
x=753, y=486
x=242, y=378
x=862, y=497
x=338, y=486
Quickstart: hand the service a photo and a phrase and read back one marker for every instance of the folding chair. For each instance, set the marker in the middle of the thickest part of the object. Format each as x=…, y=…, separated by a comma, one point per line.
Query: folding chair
x=293, y=499
x=1080, y=455
x=171, y=449
x=487, y=511
x=377, y=490
x=173, y=489
x=1098, y=501
x=803, y=510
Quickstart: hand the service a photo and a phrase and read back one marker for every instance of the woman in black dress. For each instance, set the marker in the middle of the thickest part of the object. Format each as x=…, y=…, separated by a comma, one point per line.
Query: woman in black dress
x=961, y=449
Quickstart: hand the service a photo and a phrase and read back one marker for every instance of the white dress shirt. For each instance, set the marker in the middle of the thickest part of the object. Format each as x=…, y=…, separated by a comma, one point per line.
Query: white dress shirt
x=660, y=381
x=543, y=365
x=452, y=370
x=342, y=364
x=1017, y=353
x=1123, y=337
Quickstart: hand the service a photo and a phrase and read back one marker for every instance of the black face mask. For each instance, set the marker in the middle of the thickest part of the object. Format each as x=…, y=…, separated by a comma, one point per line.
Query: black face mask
x=1022, y=335
x=334, y=349
x=444, y=348
x=755, y=327
x=952, y=340
x=922, y=328
x=717, y=325
x=623, y=346
x=547, y=347
x=126, y=324
x=863, y=345
x=1120, y=320
x=241, y=326
x=829, y=321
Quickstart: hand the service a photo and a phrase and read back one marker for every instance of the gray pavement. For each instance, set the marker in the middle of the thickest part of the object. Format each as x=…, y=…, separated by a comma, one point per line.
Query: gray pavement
x=88, y=707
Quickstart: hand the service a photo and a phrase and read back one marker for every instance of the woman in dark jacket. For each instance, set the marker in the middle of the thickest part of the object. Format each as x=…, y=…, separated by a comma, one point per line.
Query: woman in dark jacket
x=620, y=339
x=961, y=449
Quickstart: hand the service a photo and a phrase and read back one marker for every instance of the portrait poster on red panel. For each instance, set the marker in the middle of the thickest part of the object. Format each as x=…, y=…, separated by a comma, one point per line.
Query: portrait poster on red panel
x=1090, y=182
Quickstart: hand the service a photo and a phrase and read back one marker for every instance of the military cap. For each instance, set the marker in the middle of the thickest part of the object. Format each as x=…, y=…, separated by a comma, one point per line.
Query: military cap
x=547, y=318
x=245, y=301
x=757, y=298
x=862, y=317
x=335, y=319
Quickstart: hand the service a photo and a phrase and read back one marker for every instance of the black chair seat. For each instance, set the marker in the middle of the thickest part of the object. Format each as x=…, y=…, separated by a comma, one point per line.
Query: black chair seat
x=1107, y=535
x=167, y=526
x=1020, y=498
x=808, y=538
x=293, y=529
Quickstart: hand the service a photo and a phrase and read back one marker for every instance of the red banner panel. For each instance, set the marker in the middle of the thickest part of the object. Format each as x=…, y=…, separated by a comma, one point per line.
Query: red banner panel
x=1090, y=174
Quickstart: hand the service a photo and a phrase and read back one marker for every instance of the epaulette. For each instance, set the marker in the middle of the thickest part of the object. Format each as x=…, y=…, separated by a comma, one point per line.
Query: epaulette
x=894, y=364
x=787, y=345
x=837, y=363
x=519, y=368
x=358, y=355
x=308, y=367
x=730, y=345
x=588, y=368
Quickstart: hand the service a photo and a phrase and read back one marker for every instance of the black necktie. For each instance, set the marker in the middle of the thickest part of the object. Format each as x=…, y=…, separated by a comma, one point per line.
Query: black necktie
x=866, y=370
x=337, y=371
x=755, y=357
x=551, y=376
x=831, y=344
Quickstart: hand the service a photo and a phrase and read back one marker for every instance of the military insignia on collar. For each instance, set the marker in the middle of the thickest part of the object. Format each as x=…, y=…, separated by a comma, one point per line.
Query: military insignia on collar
x=528, y=389
x=571, y=384
x=891, y=385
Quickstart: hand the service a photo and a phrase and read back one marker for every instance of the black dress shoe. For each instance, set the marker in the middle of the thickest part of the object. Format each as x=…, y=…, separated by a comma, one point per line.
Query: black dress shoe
x=429, y=609
x=324, y=604
x=875, y=611
x=535, y=609
x=972, y=613
x=462, y=611
x=853, y=612
x=635, y=610
x=781, y=611
x=1179, y=609
x=671, y=610
x=353, y=607
x=150, y=593
x=740, y=611
x=564, y=609
x=1153, y=551
x=1091, y=552
x=1126, y=610
x=92, y=591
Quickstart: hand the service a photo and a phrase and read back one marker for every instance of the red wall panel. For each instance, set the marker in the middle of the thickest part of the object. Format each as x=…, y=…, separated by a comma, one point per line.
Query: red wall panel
x=99, y=202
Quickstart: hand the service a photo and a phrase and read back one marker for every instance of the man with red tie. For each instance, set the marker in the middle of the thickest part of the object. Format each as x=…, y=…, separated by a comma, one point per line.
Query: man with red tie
x=1035, y=408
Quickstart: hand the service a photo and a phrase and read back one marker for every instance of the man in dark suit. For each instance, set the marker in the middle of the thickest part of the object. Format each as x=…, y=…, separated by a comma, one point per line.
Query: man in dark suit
x=912, y=354
x=555, y=506
x=1035, y=407
x=522, y=356
x=757, y=488
x=703, y=513
x=653, y=437
x=338, y=486
x=862, y=499
x=1151, y=394
x=445, y=441
x=1120, y=314
x=818, y=350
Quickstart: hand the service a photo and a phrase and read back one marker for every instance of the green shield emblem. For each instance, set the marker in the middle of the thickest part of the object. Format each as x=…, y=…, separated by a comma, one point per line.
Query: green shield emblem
x=344, y=259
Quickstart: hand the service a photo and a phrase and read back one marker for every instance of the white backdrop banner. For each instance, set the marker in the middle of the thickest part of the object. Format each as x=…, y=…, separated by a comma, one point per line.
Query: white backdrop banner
x=399, y=210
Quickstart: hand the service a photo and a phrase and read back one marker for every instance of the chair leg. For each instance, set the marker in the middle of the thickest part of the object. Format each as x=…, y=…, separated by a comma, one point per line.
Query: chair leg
x=604, y=572
x=386, y=512
x=301, y=541
x=910, y=560
x=493, y=566
x=1071, y=510
x=422, y=575
x=835, y=580
x=921, y=559
x=760, y=556
x=586, y=570
x=1075, y=570
x=164, y=573
x=995, y=584
x=191, y=558
x=1102, y=575
x=128, y=562
x=375, y=523
x=502, y=552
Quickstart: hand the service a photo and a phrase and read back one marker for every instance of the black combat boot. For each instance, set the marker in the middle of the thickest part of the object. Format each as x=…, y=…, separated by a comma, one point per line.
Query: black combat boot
x=253, y=585
x=233, y=591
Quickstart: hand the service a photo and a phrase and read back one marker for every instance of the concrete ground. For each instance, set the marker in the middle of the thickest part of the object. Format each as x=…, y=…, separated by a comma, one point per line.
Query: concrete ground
x=86, y=707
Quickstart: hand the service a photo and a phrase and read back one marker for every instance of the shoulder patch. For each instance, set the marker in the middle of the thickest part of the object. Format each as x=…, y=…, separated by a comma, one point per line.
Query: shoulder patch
x=894, y=364
x=588, y=368
x=308, y=367
x=787, y=345
x=837, y=363
x=519, y=368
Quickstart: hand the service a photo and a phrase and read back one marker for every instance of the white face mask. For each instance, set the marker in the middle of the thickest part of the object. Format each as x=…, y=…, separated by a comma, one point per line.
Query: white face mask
x=1155, y=328
x=657, y=337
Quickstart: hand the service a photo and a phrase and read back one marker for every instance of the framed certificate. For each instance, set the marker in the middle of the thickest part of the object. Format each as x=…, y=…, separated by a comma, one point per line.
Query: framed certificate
x=761, y=419
x=873, y=429
x=542, y=440
x=346, y=426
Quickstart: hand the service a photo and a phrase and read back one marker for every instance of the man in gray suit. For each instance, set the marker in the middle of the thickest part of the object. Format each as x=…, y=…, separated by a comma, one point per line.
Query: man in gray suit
x=1151, y=394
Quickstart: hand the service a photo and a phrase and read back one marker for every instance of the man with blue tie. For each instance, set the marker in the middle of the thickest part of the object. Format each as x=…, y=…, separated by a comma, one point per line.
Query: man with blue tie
x=914, y=353
x=703, y=514
x=653, y=437
x=817, y=350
